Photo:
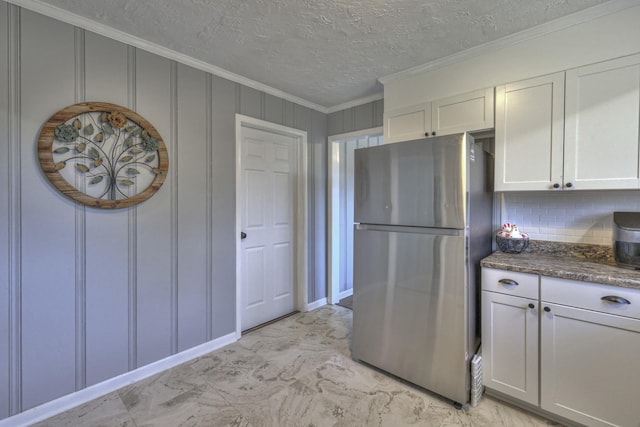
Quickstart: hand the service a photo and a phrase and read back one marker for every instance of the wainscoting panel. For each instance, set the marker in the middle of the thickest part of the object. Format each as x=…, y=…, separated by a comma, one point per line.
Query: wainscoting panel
x=251, y=102
x=365, y=116
x=150, y=309
x=223, y=195
x=288, y=115
x=107, y=231
x=273, y=109
x=48, y=280
x=5, y=214
x=192, y=168
x=318, y=173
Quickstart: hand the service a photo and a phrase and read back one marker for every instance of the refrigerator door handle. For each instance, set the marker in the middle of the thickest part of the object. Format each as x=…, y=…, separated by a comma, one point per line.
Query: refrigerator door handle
x=404, y=229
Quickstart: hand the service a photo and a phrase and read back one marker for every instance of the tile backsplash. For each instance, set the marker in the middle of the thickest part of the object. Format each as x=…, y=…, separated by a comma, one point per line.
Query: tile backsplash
x=567, y=216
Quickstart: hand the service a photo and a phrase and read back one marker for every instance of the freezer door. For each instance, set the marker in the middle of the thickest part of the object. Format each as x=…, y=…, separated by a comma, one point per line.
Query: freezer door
x=410, y=306
x=417, y=183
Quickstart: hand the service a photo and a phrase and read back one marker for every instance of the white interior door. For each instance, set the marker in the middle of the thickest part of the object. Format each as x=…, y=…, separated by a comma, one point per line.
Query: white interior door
x=341, y=205
x=268, y=163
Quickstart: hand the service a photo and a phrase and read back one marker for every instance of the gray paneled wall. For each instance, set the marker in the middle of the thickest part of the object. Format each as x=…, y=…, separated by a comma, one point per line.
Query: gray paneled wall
x=7, y=337
x=360, y=117
x=86, y=294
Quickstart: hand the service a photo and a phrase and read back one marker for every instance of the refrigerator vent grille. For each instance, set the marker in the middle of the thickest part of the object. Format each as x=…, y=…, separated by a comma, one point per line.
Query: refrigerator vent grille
x=476, y=379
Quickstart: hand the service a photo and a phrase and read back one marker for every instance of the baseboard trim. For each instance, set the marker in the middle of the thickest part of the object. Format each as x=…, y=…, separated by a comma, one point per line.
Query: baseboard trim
x=311, y=306
x=531, y=408
x=345, y=294
x=64, y=403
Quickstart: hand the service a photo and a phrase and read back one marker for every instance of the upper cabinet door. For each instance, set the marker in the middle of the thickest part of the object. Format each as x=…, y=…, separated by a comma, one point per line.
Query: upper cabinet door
x=471, y=111
x=601, y=125
x=406, y=124
x=529, y=134
x=468, y=112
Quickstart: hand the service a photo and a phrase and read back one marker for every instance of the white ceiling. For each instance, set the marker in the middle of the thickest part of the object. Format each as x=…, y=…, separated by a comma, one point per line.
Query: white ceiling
x=328, y=52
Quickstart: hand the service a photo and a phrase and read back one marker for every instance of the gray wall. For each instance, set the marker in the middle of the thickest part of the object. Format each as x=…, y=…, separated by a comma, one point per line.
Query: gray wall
x=360, y=117
x=86, y=294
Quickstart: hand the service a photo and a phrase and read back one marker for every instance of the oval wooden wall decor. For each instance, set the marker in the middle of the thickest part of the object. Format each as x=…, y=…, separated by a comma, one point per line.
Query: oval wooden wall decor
x=102, y=155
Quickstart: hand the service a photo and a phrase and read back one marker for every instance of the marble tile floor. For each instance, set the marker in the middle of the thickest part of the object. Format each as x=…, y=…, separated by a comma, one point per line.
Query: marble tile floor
x=295, y=372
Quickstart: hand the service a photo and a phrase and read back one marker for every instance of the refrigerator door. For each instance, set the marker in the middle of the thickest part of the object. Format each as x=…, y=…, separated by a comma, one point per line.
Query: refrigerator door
x=417, y=183
x=410, y=305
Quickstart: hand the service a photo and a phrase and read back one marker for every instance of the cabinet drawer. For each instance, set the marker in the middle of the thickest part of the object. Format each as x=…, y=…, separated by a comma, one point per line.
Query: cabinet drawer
x=591, y=296
x=510, y=282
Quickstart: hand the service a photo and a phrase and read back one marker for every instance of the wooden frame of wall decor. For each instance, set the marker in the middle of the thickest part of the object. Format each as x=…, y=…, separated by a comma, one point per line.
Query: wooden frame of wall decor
x=107, y=151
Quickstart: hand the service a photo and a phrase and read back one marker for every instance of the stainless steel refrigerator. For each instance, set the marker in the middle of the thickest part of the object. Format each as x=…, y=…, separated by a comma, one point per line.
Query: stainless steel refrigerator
x=423, y=214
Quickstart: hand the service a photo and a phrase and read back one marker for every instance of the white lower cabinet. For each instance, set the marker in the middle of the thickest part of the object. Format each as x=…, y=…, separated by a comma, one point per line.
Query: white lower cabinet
x=590, y=360
x=574, y=352
x=510, y=345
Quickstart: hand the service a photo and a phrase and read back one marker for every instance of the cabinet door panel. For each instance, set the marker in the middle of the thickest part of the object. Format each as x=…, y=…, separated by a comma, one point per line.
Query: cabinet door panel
x=589, y=366
x=406, y=124
x=467, y=112
x=529, y=124
x=602, y=123
x=510, y=345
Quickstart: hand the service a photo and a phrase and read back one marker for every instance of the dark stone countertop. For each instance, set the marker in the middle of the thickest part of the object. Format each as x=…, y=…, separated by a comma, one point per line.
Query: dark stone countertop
x=587, y=263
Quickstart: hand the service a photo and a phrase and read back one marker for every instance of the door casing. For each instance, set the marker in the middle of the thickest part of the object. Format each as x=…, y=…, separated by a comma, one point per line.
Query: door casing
x=333, y=205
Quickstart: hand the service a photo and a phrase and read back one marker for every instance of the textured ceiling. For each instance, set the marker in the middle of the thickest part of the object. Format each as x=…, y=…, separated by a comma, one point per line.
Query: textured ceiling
x=328, y=52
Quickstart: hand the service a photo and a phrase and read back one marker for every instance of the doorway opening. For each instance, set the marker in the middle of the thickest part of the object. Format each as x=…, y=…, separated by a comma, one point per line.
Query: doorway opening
x=340, y=207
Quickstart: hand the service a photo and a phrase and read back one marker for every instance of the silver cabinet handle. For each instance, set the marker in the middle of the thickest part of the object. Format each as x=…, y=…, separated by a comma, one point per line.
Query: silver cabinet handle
x=508, y=282
x=615, y=299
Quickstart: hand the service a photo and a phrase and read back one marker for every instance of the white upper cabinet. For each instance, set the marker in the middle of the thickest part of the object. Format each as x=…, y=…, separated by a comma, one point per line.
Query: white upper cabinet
x=406, y=124
x=529, y=134
x=471, y=111
x=601, y=125
x=578, y=134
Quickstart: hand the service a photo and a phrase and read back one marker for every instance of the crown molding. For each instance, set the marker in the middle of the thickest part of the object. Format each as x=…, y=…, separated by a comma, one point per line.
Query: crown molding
x=513, y=39
x=112, y=33
x=355, y=102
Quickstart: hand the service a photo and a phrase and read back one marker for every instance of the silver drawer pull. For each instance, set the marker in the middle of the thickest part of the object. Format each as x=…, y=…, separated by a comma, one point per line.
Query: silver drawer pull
x=508, y=282
x=615, y=299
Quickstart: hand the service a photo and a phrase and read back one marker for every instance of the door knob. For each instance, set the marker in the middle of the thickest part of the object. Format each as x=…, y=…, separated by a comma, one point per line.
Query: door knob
x=243, y=235
x=531, y=305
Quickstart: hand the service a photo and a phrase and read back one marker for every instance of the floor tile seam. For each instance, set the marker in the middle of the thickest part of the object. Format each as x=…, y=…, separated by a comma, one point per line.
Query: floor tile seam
x=224, y=399
x=285, y=385
x=176, y=373
x=209, y=390
x=124, y=405
x=320, y=393
x=245, y=407
x=220, y=389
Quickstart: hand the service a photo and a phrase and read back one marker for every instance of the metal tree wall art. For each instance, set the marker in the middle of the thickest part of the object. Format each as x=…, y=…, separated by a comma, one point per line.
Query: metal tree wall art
x=102, y=155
